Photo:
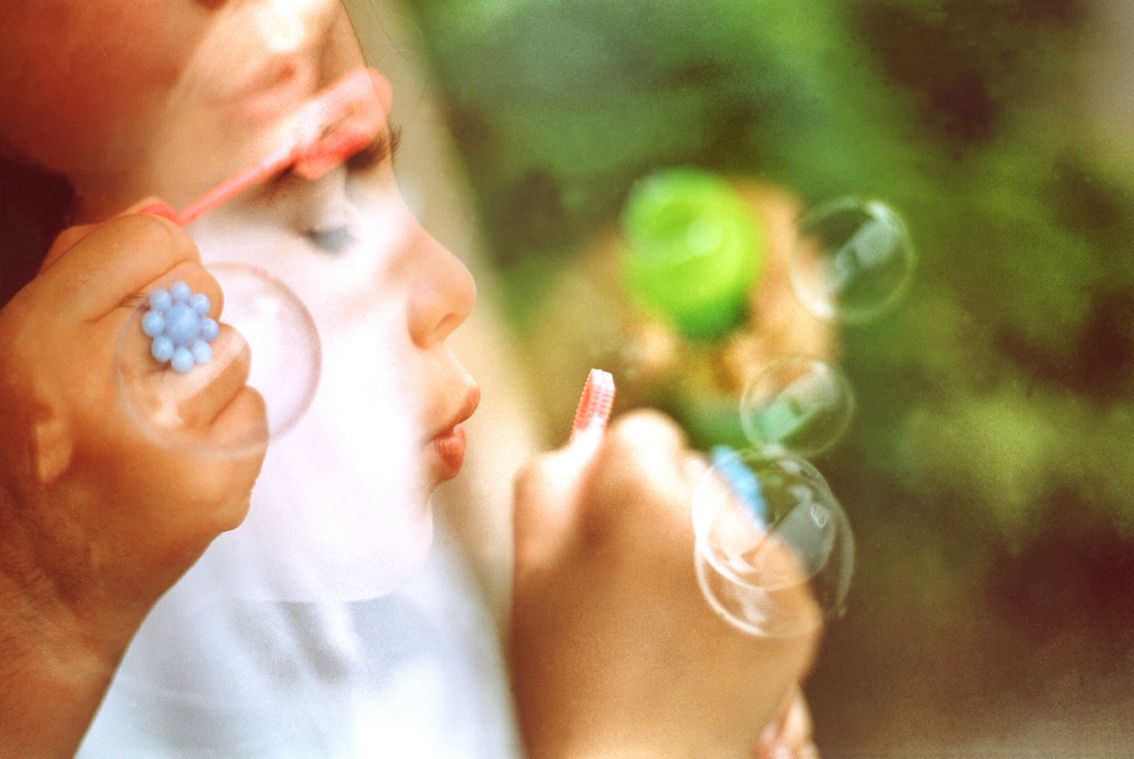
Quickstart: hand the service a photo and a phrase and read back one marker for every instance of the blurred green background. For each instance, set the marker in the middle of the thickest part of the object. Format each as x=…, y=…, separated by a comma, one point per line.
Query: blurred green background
x=989, y=471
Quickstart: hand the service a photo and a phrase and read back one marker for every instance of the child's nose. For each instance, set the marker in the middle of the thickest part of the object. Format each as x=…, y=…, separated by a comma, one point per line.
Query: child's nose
x=443, y=294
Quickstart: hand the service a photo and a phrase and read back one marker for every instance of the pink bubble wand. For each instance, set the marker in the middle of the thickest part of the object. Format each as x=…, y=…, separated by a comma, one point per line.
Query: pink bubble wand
x=342, y=120
x=595, y=405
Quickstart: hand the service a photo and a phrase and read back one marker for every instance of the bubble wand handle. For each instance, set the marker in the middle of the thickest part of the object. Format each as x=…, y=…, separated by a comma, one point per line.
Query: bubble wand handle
x=595, y=404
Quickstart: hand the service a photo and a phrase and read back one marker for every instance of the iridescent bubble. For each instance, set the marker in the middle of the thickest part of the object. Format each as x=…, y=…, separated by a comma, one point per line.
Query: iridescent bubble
x=796, y=403
x=774, y=550
x=261, y=315
x=852, y=260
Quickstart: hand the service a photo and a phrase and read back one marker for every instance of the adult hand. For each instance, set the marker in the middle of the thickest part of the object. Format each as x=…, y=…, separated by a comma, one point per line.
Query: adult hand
x=96, y=520
x=613, y=650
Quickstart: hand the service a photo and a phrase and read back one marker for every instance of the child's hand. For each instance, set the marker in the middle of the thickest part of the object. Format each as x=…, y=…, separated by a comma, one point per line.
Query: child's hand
x=614, y=652
x=97, y=521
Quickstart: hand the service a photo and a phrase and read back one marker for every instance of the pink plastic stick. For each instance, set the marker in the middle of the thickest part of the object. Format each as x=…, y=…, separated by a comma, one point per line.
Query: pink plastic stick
x=257, y=173
x=595, y=404
x=340, y=121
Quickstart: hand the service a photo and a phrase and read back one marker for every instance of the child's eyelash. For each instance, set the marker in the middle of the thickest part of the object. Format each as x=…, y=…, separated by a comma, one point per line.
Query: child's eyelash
x=384, y=146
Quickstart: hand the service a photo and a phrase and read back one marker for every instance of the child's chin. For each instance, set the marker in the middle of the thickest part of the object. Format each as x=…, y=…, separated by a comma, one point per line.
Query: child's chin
x=304, y=566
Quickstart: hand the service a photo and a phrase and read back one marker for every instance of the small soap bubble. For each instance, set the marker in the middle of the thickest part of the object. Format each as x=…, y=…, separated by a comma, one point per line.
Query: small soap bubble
x=852, y=260
x=796, y=403
x=775, y=552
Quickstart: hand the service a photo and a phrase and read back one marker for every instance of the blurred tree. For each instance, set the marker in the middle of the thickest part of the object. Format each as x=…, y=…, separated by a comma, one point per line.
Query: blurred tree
x=996, y=405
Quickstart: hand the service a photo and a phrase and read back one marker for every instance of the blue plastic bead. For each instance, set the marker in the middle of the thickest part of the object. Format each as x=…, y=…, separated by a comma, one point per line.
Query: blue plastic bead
x=182, y=325
x=162, y=349
x=180, y=329
x=202, y=352
x=180, y=292
x=200, y=303
x=182, y=360
x=160, y=300
x=741, y=481
x=153, y=323
x=209, y=329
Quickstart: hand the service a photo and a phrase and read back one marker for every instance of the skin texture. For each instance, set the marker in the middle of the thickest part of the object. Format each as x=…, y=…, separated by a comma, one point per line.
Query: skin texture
x=613, y=652
x=97, y=521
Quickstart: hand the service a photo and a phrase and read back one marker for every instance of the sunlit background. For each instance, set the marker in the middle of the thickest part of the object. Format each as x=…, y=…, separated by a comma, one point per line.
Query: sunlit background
x=988, y=471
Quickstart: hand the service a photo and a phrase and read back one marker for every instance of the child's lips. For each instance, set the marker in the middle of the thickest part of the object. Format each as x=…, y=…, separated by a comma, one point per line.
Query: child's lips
x=450, y=448
x=450, y=444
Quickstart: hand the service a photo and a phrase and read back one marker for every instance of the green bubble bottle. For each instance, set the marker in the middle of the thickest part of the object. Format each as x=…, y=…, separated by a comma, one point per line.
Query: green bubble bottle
x=693, y=251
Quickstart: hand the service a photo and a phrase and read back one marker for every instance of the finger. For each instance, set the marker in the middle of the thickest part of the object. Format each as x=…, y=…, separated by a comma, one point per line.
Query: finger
x=196, y=398
x=643, y=462
x=790, y=733
x=241, y=426
x=240, y=431
x=651, y=441
x=113, y=262
x=546, y=503
x=72, y=236
x=64, y=241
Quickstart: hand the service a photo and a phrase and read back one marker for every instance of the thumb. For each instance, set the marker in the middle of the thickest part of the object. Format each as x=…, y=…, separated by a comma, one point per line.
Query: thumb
x=72, y=236
x=547, y=499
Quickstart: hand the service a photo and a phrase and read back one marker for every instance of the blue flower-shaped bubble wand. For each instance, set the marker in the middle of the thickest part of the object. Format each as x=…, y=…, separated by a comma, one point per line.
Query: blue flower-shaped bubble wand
x=181, y=329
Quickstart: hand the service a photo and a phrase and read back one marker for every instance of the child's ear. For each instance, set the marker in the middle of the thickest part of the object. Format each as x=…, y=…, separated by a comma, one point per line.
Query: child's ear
x=52, y=446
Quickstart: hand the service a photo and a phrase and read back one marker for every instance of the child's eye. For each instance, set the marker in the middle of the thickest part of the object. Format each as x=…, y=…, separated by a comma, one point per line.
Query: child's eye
x=384, y=146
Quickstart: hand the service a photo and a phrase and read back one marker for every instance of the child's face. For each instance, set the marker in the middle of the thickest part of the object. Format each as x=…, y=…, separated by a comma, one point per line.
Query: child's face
x=167, y=97
x=342, y=505
x=94, y=88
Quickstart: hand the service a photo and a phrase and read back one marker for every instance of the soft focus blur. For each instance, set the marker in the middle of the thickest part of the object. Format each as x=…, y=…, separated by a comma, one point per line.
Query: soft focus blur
x=989, y=468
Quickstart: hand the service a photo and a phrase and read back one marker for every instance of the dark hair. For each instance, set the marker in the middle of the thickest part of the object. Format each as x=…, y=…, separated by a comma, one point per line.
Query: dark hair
x=35, y=206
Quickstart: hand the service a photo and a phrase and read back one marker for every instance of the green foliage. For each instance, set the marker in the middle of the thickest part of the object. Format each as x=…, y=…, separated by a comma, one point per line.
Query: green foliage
x=1002, y=391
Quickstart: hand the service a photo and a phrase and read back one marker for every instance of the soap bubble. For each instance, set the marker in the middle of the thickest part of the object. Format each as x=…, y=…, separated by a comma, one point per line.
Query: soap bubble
x=285, y=364
x=852, y=260
x=774, y=550
x=797, y=403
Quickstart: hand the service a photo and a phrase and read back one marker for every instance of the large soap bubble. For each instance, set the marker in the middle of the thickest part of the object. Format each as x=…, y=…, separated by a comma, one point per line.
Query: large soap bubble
x=852, y=260
x=797, y=403
x=260, y=312
x=774, y=550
